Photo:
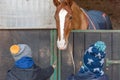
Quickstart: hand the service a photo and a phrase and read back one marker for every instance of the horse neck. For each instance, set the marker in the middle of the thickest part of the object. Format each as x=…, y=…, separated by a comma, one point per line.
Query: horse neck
x=79, y=19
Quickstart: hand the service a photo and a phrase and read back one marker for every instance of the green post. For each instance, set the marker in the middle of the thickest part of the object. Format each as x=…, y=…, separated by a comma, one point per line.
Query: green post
x=55, y=56
x=109, y=62
x=59, y=65
x=53, y=52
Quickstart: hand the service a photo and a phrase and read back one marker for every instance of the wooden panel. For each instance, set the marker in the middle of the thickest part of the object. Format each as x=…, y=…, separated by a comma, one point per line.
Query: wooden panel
x=91, y=38
x=44, y=48
x=6, y=59
x=67, y=66
x=79, y=40
x=116, y=56
x=39, y=41
x=107, y=38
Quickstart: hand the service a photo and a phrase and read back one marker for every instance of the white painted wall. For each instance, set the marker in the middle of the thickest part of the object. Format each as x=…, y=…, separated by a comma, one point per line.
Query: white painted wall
x=27, y=14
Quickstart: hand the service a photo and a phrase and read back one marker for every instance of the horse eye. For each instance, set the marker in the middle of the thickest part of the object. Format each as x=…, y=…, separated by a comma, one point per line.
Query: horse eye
x=70, y=17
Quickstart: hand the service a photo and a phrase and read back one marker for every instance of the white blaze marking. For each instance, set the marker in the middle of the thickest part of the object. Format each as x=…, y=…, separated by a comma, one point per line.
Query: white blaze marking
x=61, y=42
x=62, y=15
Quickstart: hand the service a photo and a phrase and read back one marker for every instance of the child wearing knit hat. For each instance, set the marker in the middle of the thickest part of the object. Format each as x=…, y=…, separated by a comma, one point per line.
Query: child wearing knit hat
x=24, y=67
x=93, y=61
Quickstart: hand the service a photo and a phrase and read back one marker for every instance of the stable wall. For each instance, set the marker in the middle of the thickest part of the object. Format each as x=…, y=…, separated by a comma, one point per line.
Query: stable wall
x=45, y=52
x=39, y=14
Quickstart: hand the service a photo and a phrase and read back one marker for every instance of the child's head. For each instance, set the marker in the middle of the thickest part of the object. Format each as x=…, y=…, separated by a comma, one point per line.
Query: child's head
x=93, y=59
x=20, y=50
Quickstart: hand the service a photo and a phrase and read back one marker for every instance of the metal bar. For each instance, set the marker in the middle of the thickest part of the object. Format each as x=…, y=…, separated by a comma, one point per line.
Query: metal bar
x=59, y=65
x=95, y=30
x=110, y=62
x=51, y=50
x=43, y=27
x=54, y=56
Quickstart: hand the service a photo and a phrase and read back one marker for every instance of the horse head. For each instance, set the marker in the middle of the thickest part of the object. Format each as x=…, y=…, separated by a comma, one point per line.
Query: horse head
x=68, y=16
x=63, y=17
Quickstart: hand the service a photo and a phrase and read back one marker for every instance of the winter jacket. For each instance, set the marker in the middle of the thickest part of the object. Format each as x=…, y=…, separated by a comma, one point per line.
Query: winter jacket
x=34, y=73
x=86, y=76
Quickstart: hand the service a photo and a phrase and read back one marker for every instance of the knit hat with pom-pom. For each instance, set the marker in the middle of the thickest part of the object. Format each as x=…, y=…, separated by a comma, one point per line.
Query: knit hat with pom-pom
x=20, y=50
x=93, y=59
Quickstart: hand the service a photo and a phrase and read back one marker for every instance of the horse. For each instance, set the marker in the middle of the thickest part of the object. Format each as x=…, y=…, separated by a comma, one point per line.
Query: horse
x=69, y=16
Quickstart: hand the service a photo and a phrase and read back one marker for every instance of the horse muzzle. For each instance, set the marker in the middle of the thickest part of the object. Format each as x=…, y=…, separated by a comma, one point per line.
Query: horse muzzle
x=62, y=44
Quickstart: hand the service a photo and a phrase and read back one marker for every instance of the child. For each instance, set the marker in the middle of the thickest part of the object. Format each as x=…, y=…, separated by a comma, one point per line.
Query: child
x=24, y=67
x=93, y=61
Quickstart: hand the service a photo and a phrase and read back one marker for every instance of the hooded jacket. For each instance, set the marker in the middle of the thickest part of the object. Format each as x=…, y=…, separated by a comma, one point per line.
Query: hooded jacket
x=87, y=76
x=24, y=67
x=34, y=73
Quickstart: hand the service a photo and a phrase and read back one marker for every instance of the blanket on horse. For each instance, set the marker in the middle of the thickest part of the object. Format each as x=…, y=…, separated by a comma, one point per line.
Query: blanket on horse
x=99, y=19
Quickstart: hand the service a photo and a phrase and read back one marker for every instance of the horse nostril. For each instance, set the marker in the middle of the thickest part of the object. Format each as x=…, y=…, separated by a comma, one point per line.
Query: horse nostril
x=62, y=44
x=62, y=48
x=70, y=17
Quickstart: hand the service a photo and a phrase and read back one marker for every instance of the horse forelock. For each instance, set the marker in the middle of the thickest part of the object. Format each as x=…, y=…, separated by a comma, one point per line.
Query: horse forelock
x=64, y=6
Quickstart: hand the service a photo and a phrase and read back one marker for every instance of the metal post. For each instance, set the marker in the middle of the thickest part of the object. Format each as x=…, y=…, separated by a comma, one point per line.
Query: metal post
x=53, y=54
x=59, y=65
x=109, y=62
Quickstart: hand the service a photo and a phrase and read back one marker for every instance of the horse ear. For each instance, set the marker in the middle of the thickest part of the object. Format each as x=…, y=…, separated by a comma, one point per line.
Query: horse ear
x=56, y=2
x=69, y=2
